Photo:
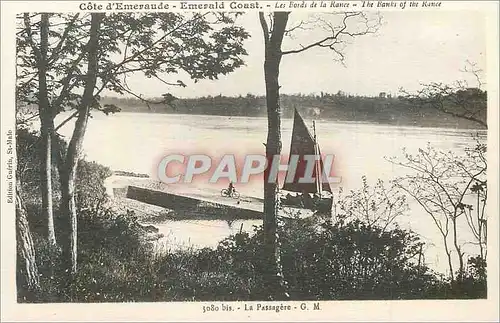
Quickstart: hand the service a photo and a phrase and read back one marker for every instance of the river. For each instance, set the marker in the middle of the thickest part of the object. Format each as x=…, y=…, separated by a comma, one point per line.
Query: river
x=137, y=141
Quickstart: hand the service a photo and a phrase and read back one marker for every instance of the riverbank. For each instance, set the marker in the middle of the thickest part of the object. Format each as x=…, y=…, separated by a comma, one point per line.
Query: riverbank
x=196, y=225
x=382, y=110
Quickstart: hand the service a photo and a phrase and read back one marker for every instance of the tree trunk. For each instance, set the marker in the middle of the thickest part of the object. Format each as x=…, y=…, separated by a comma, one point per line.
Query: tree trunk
x=46, y=130
x=68, y=177
x=458, y=249
x=274, y=275
x=450, y=260
x=25, y=248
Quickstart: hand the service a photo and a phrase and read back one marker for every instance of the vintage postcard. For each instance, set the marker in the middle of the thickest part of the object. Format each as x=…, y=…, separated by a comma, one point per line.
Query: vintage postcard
x=249, y=160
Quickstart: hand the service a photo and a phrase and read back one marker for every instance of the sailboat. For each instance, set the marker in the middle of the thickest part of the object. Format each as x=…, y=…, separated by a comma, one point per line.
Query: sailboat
x=316, y=196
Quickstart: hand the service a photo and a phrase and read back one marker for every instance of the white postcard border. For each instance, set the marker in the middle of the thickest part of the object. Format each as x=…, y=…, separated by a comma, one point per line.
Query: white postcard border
x=187, y=311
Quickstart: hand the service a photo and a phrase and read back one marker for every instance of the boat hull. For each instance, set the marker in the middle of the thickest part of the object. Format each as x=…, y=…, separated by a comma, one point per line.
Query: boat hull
x=320, y=204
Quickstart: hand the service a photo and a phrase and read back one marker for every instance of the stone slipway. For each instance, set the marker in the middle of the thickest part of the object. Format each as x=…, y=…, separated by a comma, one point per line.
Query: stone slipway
x=190, y=203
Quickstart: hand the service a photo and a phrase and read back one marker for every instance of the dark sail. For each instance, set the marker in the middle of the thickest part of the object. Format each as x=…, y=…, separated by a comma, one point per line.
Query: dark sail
x=302, y=144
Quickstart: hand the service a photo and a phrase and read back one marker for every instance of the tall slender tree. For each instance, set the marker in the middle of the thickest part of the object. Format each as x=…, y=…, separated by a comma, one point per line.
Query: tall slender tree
x=339, y=28
x=68, y=176
x=40, y=60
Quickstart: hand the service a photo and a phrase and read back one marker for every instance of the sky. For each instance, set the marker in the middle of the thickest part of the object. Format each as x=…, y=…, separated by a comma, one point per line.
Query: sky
x=409, y=49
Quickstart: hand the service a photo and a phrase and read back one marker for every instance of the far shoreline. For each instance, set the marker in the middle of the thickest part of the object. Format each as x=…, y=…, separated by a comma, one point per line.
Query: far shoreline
x=441, y=126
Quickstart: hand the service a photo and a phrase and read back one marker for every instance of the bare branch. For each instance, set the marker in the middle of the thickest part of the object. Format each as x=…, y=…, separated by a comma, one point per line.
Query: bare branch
x=473, y=69
x=73, y=115
x=336, y=34
x=167, y=98
x=457, y=99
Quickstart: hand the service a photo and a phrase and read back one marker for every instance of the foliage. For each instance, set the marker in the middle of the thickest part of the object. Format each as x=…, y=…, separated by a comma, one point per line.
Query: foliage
x=334, y=261
x=459, y=102
x=197, y=45
x=377, y=205
x=459, y=99
x=474, y=283
x=450, y=188
x=321, y=260
x=67, y=60
x=90, y=190
x=348, y=259
x=29, y=153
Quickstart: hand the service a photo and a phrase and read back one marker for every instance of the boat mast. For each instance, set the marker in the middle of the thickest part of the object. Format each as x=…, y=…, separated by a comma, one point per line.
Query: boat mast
x=317, y=162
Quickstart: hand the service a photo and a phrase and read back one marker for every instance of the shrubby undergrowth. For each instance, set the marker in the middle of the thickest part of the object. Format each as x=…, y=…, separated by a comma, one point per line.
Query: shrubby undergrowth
x=346, y=259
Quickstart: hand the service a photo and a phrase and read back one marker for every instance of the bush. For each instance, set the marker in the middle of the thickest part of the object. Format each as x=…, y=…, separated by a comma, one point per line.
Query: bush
x=90, y=189
x=330, y=261
x=111, y=255
x=356, y=261
x=321, y=261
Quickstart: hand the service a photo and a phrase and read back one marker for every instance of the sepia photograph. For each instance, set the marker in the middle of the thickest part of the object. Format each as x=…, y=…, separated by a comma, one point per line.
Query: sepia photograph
x=251, y=157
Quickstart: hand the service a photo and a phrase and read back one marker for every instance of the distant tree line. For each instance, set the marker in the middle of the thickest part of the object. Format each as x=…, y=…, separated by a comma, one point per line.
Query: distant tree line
x=386, y=109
